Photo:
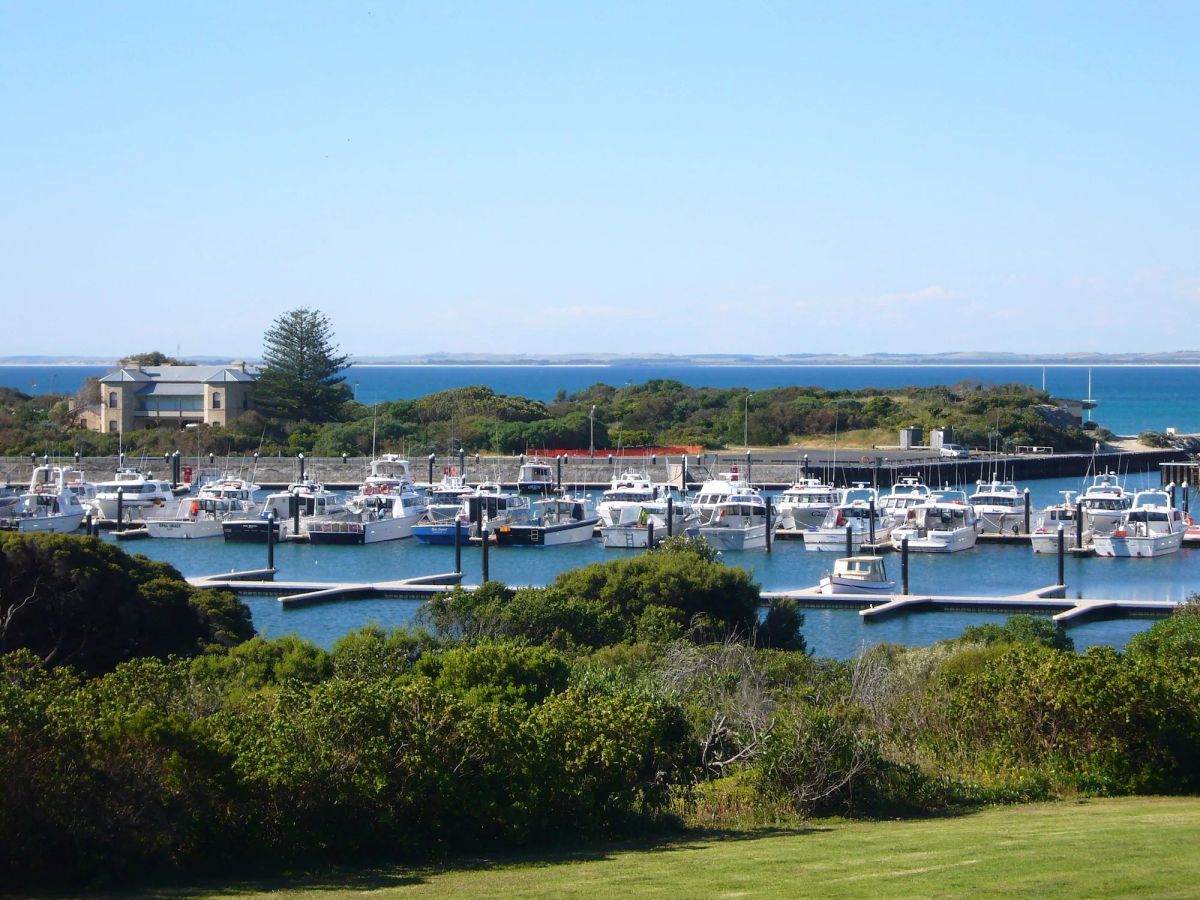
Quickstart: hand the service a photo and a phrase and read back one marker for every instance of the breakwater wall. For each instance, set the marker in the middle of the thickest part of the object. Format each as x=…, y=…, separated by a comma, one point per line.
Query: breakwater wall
x=769, y=467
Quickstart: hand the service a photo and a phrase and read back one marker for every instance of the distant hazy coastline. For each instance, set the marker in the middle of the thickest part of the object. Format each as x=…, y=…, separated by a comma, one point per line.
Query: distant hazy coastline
x=601, y=360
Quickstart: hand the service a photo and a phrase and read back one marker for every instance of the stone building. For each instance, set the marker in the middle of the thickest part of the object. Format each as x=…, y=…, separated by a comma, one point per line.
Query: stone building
x=135, y=397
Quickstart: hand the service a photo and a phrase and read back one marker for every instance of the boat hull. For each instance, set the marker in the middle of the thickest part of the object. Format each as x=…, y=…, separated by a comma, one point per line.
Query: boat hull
x=1047, y=541
x=935, y=541
x=176, y=529
x=546, y=536
x=60, y=524
x=1137, y=547
x=833, y=540
x=721, y=537
x=439, y=533
x=250, y=531
x=835, y=584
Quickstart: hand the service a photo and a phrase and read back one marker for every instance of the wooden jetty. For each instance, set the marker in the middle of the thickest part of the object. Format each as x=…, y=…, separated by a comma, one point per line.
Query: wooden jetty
x=1051, y=599
x=295, y=594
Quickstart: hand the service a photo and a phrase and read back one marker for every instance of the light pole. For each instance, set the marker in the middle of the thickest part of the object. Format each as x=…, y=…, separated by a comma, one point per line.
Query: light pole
x=592, y=432
x=746, y=423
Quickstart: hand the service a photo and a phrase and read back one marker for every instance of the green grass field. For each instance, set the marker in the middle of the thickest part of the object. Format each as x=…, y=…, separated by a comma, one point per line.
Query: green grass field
x=1147, y=846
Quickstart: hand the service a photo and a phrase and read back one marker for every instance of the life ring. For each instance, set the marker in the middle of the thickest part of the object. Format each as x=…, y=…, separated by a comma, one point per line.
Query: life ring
x=866, y=460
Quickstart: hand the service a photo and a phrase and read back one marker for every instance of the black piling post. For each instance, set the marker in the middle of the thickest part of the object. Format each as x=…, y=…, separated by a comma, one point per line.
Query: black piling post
x=683, y=475
x=849, y=540
x=749, y=480
x=558, y=486
x=300, y=456
x=670, y=516
x=271, y=541
x=1185, y=499
x=768, y=499
x=1062, y=553
x=120, y=507
x=1027, y=507
x=296, y=512
x=904, y=565
x=462, y=462
x=431, y=458
x=457, y=546
x=804, y=469
x=872, y=510
x=87, y=524
x=483, y=533
x=649, y=534
x=1079, y=514
x=1171, y=491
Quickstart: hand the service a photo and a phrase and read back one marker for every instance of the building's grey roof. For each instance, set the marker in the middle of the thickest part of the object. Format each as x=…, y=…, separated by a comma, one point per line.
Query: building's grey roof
x=170, y=389
x=182, y=374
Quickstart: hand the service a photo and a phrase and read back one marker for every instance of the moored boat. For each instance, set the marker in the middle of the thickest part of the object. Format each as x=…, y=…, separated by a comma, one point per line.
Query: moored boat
x=806, y=503
x=555, y=521
x=945, y=523
x=1150, y=527
x=857, y=575
x=857, y=512
x=999, y=507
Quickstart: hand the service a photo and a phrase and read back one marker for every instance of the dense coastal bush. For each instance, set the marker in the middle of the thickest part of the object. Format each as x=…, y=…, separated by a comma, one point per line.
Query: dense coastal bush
x=85, y=603
x=659, y=412
x=648, y=696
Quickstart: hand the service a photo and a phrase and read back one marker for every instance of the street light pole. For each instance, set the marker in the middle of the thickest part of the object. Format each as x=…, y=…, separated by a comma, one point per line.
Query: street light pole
x=746, y=423
x=592, y=432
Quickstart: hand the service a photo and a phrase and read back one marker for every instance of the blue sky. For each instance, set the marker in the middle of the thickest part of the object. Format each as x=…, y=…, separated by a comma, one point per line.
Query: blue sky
x=550, y=177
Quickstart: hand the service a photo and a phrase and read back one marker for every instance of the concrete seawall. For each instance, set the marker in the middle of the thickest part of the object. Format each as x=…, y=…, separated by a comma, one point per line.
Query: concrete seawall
x=769, y=466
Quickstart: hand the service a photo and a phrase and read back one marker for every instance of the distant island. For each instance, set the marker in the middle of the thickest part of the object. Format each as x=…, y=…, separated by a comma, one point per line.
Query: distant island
x=966, y=358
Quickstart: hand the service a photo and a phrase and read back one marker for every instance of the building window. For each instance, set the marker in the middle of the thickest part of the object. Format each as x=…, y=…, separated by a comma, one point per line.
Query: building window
x=112, y=426
x=245, y=401
x=112, y=399
x=216, y=400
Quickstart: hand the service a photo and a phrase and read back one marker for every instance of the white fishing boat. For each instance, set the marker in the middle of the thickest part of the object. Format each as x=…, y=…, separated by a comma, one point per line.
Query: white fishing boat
x=554, y=522
x=806, y=503
x=859, y=513
x=1150, y=527
x=1044, y=536
x=945, y=523
x=201, y=516
x=301, y=502
x=624, y=500
x=385, y=509
x=648, y=523
x=135, y=493
x=55, y=478
x=536, y=476
x=999, y=507
x=1104, y=502
x=731, y=515
x=907, y=492
x=857, y=575
x=59, y=512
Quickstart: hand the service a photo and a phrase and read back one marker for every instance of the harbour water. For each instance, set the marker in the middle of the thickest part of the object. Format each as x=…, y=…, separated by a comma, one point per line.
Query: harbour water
x=1132, y=398
x=986, y=570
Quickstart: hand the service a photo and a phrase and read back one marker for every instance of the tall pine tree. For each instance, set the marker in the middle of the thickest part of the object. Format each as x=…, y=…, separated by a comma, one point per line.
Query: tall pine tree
x=300, y=380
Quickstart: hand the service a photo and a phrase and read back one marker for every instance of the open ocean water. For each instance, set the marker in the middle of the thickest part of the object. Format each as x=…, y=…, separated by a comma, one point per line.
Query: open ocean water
x=1131, y=399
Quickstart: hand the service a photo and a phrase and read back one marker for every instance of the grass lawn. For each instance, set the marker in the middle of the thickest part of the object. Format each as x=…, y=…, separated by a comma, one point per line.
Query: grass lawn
x=1148, y=846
